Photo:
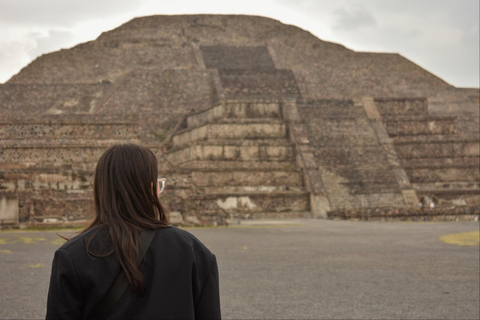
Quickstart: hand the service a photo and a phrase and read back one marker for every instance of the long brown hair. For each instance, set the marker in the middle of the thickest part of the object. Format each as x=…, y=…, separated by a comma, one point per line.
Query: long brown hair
x=126, y=202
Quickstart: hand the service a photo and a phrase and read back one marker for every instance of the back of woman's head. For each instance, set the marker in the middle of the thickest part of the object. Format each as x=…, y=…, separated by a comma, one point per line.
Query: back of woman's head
x=125, y=187
x=126, y=202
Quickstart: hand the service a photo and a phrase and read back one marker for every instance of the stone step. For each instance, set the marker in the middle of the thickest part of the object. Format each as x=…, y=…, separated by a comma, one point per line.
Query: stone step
x=454, y=187
x=402, y=106
x=250, y=189
x=236, y=142
x=258, y=84
x=407, y=126
x=230, y=152
x=67, y=129
x=263, y=120
x=440, y=149
x=240, y=219
x=62, y=143
x=235, y=109
x=439, y=213
x=445, y=175
x=53, y=155
x=230, y=131
x=234, y=164
x=76, y=165
x=342, y=199
x=248, y=178
x=432, y=138
x=241, y=205
x=53, y=178
x=417, y=117
x=425, y=163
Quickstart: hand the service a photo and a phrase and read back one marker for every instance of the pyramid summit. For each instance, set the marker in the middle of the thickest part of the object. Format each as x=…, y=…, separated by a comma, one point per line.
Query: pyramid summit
x=249, y=117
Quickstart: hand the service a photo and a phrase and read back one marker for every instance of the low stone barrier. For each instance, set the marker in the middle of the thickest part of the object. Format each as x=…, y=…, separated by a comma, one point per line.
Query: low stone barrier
x=463, y=213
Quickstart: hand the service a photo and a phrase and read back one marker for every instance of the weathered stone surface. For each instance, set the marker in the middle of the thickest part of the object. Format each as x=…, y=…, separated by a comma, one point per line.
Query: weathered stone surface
x=8, y=208
x=462, y=213
x=236, y=106
x=353, y=167
x=260, y=84
x=235, y=109
x=260, y=152
x=245, y=58
x=231, y=131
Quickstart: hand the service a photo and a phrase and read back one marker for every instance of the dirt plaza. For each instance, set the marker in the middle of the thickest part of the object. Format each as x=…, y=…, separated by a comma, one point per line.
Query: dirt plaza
x=298, y=269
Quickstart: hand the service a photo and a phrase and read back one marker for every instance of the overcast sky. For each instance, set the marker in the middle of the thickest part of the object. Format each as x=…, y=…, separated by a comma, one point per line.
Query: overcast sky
x=442, y=36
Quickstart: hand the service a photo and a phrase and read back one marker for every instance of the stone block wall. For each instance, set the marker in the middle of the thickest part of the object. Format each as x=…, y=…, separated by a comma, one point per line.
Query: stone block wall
x=54, y=184
x=46, y=208
x=82, y=157
x=48, y=164
x=402, y=106
x=258, y=206
x=234, y=109
x=8, y=208
x=243, y=84
x=241, y=162
x=247, y=180
x=437, y=149
x=227, y=131
x=409, y=126
x=461, y=213
x=24, y=132
x=30, y=101
x=229, y=153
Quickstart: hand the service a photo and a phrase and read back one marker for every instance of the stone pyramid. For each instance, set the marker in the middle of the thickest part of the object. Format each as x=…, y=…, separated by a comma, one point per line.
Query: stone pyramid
x=250, y=118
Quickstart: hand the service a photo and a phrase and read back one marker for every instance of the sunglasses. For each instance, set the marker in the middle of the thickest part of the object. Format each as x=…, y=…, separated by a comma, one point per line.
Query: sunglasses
x=161, y=184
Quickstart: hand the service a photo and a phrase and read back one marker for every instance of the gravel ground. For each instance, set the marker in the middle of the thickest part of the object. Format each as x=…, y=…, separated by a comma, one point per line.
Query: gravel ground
x=299, y=269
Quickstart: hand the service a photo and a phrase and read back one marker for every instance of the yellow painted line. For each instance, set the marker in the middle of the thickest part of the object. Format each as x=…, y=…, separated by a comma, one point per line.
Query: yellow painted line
x=242, y=247
x=29, y=240
x=6, y=251
x=261, y=226
x=37, y=265
x=58, y=241
x=462, y=239
x=24, y=240
x=237, y=226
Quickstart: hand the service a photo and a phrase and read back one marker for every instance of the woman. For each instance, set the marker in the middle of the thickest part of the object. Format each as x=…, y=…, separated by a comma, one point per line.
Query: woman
x=177, y=277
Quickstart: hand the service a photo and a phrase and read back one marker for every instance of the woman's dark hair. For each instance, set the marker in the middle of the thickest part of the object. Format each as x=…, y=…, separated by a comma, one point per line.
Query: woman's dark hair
x=126, y=202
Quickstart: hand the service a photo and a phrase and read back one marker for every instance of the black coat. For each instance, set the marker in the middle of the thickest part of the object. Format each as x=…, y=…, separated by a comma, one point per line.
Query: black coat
x=180, y=274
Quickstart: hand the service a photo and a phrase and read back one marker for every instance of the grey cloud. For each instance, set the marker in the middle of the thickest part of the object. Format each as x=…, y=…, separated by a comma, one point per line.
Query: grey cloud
x=452, y=52
x=354, y=19
x=61, y=12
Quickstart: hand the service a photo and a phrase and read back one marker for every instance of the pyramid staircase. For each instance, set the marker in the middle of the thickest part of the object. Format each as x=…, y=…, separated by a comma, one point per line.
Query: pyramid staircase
x=241, y=161
x=439, y=163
